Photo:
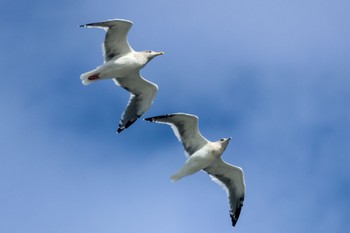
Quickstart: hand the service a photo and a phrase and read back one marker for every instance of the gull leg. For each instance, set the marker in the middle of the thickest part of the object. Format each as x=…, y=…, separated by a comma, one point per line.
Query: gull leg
x=93, y=77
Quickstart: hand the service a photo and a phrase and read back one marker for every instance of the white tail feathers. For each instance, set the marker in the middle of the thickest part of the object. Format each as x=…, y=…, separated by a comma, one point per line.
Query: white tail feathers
x=191, y=166
x=175, y=177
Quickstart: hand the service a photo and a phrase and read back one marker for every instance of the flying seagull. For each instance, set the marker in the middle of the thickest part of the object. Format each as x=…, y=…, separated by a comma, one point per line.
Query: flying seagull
x=123, y=65
x=205, y=155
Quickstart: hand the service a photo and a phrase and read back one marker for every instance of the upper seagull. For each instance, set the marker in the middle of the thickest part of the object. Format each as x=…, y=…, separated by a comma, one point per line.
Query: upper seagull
x=205, y=155
x=123, y=65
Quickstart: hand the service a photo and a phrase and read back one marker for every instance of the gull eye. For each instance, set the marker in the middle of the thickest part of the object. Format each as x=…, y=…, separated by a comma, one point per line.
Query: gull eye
x=222, y=139
x=148, y=51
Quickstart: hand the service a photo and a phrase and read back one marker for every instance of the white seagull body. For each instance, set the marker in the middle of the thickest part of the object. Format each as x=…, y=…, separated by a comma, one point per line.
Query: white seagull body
x=123, y=65
x=205, y=155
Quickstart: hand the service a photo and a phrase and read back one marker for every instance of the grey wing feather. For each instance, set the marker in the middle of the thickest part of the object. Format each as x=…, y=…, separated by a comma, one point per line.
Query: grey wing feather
x=185, y=127
x=231, y=178
x=142, y=94
x=116, y=41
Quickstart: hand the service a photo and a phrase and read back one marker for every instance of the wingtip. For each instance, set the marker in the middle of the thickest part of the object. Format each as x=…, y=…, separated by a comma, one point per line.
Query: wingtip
x=120, y=129
x=87, y=25
x=127, y=125
x=150, y=119
x=235, y=215
x=155, y=118
x=233, y=219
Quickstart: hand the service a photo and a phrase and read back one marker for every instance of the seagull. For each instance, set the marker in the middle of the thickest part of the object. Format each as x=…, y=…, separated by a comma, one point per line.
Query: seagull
x=123, y=65
x=206, y=155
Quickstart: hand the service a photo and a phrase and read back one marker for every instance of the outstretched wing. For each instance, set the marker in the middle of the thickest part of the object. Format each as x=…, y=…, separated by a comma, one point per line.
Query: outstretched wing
x=231, y=178
x=116, y=41
x=142, y=94
x=185, y=127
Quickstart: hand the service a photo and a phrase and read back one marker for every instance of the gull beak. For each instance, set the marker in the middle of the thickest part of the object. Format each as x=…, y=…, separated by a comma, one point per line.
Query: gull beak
x=154, y=54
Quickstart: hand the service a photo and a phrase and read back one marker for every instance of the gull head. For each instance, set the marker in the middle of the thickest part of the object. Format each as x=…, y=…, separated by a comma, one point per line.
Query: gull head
x=151, y=54
x=223, y=143
x=219, y=147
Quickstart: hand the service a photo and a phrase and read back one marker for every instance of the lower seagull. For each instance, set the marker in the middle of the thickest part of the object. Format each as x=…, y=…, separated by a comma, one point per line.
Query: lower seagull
x=205, y=155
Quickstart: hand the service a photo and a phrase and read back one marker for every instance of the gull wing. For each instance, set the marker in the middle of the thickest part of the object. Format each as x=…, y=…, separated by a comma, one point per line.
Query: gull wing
x=185, y=127
x=116, y=41
x=142, y=94
x=231, y=178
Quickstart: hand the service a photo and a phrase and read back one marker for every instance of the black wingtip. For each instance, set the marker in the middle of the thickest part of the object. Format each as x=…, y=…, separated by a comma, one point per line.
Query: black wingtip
x=87, y=25
x=130, y=122
x=234, y=216
x=120, y=129
x=150, y=119
x=155, y=118
x=233, y=219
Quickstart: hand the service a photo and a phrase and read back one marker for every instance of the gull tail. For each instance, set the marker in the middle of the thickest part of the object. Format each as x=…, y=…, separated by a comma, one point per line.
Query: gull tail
x=188, y=169
x=176, y=177
x=89, y=77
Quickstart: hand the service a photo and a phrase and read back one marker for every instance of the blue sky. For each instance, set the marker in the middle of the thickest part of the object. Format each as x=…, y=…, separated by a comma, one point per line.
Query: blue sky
x=274, y=75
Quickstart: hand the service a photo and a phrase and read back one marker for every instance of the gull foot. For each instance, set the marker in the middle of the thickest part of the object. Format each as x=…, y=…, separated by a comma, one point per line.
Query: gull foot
x=93, y=77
